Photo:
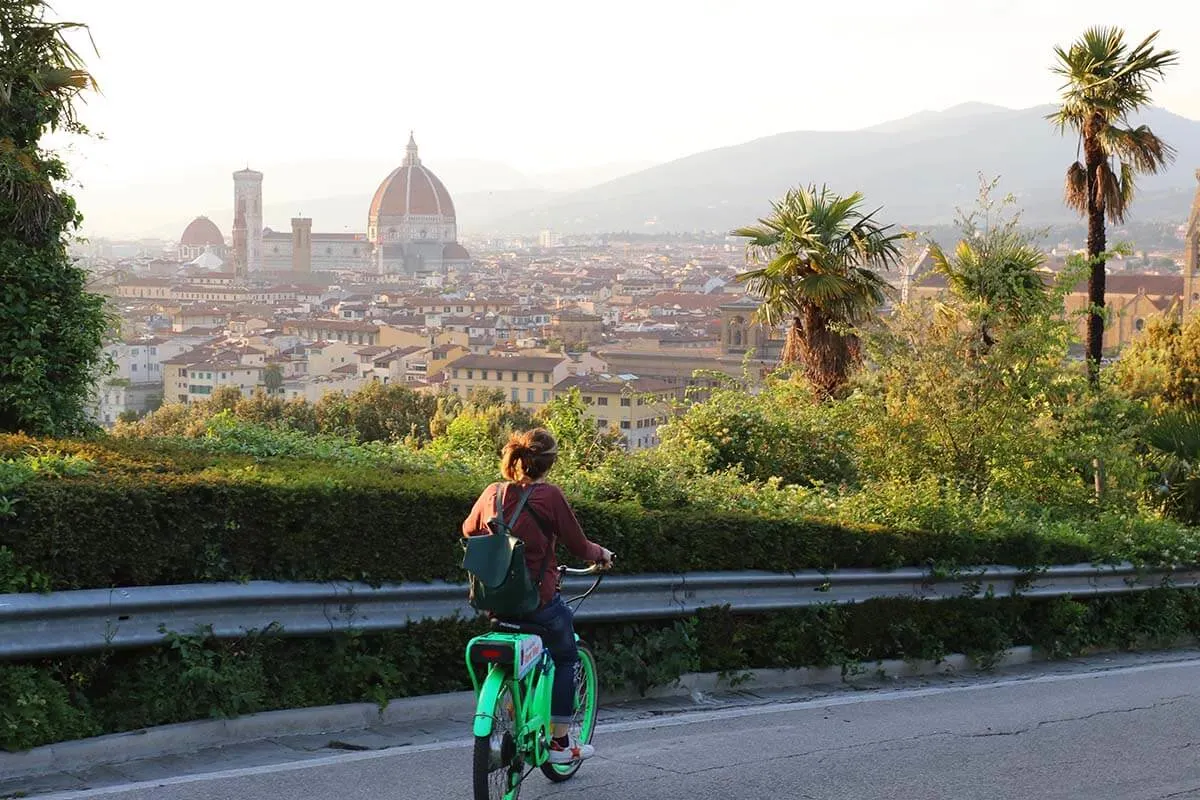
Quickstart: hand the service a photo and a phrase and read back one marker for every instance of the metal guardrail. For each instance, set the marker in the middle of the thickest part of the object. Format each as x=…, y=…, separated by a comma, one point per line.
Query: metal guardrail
x=95, y=619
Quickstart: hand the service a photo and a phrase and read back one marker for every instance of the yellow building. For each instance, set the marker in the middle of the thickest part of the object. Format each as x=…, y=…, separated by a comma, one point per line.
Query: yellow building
x=206, y=376
x=334, y=330
x=633, y=406
x=528, y=380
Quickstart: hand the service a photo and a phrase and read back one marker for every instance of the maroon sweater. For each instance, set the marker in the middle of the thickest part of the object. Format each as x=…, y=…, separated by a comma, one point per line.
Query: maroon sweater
x=551, y=506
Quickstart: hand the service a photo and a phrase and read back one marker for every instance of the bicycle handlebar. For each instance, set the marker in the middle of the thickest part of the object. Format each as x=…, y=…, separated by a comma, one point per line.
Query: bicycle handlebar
x=594, y=569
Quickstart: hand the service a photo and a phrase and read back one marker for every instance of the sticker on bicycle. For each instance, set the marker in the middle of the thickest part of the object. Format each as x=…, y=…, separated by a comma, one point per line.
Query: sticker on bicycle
x=529, y=654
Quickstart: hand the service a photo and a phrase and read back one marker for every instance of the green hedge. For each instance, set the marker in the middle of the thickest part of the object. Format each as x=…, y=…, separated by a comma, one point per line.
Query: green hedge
x=193, y=677
x=146, y=514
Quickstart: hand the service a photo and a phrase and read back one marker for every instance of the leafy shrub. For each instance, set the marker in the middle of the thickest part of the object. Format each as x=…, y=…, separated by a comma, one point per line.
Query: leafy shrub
x=776, y=433
x=158, y=515
x=195, y=677
x=37, y=709
x=374, y=413
x=1161, y=367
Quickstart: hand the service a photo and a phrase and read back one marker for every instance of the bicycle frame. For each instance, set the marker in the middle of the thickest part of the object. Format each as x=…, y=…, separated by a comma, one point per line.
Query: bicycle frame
x=530, y=691
x=530, y=681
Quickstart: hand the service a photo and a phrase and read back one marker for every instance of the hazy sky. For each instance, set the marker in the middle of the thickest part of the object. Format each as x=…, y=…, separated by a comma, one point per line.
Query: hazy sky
x=547, y=85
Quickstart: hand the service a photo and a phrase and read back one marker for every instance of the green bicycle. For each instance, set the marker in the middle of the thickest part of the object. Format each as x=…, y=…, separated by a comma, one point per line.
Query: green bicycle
x=512, y=672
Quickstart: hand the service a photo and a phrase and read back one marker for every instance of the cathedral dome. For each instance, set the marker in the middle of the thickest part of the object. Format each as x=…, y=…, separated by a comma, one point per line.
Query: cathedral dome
x=412, y=190
x=201, y=232
x=455, y=252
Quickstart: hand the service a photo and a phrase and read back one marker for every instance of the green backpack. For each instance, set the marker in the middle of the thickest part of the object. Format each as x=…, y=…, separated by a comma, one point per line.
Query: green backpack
x=499, y=581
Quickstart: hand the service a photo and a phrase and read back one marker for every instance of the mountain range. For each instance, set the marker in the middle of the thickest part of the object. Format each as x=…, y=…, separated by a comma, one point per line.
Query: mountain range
x=918, y=169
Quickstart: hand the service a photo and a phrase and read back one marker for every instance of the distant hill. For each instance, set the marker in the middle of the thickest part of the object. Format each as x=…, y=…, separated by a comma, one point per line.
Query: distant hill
x=919, y=169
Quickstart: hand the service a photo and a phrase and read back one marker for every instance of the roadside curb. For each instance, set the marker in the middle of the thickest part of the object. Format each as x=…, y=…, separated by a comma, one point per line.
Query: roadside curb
x=188, y=737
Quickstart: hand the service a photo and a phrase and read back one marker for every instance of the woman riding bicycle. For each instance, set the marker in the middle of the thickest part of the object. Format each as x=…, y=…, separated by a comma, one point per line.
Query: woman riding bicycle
x=526, y=460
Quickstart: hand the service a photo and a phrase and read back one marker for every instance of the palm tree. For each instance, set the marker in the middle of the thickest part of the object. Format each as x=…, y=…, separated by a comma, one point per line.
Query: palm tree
x=996, y=267
x=817, y=257
x=1105, y=82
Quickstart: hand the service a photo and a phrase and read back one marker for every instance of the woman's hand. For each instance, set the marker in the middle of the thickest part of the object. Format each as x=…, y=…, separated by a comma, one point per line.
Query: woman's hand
x=607, y=559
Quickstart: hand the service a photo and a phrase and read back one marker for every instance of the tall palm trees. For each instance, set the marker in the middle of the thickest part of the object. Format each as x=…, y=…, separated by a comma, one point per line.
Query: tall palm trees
x=817, y=256
x=1105, y=82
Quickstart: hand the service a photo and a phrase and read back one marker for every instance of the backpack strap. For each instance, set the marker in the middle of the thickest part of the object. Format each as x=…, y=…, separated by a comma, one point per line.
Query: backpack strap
x=537, y=518
x=517, y=511
x=501, y=489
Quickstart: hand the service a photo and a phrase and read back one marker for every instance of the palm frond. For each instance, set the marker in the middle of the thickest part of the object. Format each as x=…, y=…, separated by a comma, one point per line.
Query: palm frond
x=1138, y=146
x=1075, y=193
x=1118, y=189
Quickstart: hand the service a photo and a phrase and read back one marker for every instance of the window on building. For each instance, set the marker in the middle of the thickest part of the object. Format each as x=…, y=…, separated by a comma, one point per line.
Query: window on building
x=589, y=400
x=459, y=310
x=446, y=310
x=153, y=351
x=529, y=395
x=624, y=424
x=133, y=367
x=624, y=402
x=514, y=376
x=483, y=374
x=545, y=377
x=529, y=377
x=516, y=395
x=1139, y=324
x=545, y=395
x=470, y=374
x=641, y=401
x=602, y=423
x=601, y=401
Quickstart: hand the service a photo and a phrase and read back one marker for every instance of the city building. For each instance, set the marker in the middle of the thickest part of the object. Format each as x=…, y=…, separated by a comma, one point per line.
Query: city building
x=633, y=406
x=334, y=330
x=575, y=328
x=411, y=223
x=528, y=380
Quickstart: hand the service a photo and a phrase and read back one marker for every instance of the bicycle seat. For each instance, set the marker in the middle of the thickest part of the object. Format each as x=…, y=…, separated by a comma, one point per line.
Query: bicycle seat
x=517, y=626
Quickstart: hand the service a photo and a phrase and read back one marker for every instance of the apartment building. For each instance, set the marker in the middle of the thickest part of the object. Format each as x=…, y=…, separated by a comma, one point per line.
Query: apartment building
x=528, y=380
x=206, y=376
x=634, y=406
x=334, y=330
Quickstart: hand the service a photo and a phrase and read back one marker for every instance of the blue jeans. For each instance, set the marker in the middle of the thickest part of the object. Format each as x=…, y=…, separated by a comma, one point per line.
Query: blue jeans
x=557, y=618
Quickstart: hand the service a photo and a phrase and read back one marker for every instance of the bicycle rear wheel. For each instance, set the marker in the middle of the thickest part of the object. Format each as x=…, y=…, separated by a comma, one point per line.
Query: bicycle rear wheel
x=497, y=769
x=583, y=724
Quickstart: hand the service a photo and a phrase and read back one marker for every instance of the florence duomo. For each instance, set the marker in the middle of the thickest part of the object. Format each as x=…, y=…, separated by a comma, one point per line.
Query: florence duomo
x=411, y=230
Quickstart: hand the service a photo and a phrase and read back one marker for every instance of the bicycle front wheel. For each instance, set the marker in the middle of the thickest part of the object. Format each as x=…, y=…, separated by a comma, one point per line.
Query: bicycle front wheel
x=497, y=769
x=583, y=723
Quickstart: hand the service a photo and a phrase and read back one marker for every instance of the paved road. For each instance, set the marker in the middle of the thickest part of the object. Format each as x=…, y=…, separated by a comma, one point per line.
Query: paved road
x=1128, y=733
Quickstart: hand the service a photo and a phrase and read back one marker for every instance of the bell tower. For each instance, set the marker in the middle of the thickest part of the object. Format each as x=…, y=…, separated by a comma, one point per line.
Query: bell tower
x=1191, y=255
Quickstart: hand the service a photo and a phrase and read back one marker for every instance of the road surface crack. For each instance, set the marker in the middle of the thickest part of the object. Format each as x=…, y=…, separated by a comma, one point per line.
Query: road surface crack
x=1084, y=718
